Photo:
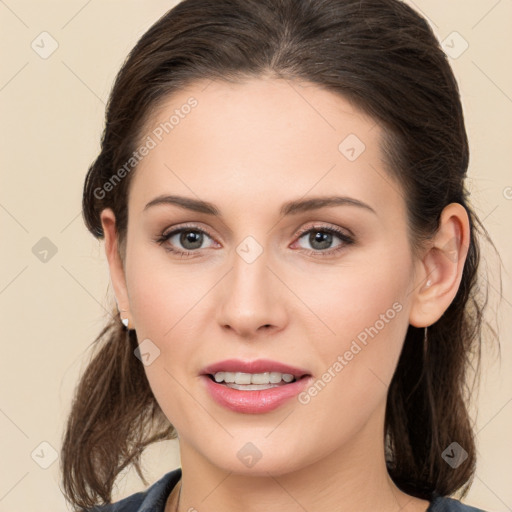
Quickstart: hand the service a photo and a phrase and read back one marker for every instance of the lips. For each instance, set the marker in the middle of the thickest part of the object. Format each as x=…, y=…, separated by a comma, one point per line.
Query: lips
x=254, y=402
x=256, y=366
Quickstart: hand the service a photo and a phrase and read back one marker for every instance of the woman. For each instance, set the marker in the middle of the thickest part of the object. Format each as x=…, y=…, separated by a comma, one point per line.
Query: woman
x=281, y=193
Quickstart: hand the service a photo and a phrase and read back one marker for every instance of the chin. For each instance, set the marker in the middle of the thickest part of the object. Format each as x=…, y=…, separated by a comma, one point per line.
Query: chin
x=261, y=462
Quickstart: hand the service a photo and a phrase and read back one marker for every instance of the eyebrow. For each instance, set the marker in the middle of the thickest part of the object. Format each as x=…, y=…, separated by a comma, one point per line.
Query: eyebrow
x=289, y=208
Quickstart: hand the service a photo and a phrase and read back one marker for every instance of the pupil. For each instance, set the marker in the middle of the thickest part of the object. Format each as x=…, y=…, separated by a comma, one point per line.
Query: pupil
x=195, y=239
x=323, y=239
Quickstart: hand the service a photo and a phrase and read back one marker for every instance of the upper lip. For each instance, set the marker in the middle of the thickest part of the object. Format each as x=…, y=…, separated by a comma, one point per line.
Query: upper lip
x=256, y=366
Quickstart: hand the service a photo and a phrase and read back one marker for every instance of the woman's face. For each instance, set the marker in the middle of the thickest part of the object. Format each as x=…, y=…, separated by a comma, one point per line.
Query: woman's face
x=325, y=289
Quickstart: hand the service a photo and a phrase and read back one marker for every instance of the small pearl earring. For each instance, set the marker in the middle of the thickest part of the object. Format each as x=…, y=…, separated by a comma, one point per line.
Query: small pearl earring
x=429, y=283
x=124, y=321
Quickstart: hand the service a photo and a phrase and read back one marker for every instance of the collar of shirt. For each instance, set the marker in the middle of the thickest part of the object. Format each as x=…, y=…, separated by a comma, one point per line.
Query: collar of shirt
x=154, y=499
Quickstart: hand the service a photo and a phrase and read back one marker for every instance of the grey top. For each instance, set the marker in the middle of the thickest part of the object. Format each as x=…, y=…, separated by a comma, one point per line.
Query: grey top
x=154, y=498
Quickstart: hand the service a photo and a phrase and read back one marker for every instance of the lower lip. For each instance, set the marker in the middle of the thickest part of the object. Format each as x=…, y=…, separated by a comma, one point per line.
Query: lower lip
x=254, y=402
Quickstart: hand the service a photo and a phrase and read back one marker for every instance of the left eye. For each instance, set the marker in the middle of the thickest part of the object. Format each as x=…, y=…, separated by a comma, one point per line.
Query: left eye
x=321, y=239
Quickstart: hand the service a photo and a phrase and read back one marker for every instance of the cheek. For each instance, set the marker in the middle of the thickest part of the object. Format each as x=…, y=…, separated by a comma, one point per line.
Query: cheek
x=161, y=293
x=357, y=298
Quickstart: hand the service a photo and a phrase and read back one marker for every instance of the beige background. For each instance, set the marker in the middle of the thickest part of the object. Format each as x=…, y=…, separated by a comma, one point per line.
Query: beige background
x=51, y=119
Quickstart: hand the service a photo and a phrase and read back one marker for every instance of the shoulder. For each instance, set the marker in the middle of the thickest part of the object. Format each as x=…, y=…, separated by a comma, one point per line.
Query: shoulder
x=445, y=504
x=152, y=499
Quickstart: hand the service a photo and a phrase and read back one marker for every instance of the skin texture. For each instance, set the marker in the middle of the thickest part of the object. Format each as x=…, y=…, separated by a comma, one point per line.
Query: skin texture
x=248, y=148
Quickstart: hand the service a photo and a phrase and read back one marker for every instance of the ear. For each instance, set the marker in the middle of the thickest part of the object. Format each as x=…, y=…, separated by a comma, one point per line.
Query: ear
x=115, y=263
x=439, y=271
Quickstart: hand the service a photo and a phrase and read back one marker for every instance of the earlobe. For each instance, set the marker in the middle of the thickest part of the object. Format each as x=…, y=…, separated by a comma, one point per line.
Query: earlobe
x=115, y=263
x=439, y=272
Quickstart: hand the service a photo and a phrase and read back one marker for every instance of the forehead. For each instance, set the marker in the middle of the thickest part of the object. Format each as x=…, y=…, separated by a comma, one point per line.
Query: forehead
x=258, y=140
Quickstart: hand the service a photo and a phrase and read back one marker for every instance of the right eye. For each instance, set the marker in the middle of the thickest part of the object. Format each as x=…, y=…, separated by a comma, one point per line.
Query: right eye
x=184, y=241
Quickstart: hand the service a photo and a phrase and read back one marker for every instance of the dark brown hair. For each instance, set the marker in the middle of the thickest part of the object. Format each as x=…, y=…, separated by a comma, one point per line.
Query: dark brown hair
x=380, y=55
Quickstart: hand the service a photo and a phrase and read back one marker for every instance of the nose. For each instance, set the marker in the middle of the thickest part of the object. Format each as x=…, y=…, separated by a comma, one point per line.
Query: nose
x=251, y=299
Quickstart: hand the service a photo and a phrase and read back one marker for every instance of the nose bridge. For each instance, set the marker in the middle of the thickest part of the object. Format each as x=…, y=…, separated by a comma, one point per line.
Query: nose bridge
x=250, y=297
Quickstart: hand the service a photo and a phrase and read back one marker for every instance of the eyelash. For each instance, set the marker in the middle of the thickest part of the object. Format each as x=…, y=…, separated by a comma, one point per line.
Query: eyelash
x=346, y=239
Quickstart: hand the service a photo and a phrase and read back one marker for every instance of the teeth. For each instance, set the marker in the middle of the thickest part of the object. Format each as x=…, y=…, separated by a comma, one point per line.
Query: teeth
x=253, y=378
